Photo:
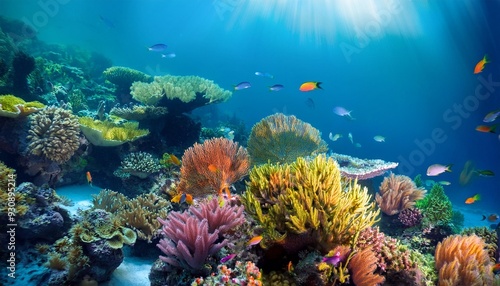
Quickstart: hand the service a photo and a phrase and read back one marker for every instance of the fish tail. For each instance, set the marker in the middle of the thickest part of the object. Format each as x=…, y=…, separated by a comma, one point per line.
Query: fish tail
x=318, y=85
x=485, y=59
x=477, y=197
x=484, y=217
x=493, y=128
x=448, y=167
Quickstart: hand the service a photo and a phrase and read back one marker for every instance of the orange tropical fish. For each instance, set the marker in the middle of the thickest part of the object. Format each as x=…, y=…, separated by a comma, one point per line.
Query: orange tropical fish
x=89, y=179
x=290, y=267
x=480, y=65
x=473, y=199
x=254, y=240
x=175, y=160
x=182, y=198
x=310, y=85
x=496, y=268
x=212, y=168
x=484, y=128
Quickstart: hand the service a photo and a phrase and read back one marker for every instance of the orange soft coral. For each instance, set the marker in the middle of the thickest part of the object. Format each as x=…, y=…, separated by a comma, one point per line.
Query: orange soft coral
x=212, y=167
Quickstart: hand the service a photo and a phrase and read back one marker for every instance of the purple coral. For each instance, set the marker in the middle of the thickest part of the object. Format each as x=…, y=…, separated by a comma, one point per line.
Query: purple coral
x=191, y=236
x=410, y=217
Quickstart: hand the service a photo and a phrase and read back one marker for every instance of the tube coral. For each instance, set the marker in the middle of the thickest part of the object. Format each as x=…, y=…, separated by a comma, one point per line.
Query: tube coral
x=54, y=133
x=282, y=139
x=212, y=166
x=398, y=193
x=463, y=260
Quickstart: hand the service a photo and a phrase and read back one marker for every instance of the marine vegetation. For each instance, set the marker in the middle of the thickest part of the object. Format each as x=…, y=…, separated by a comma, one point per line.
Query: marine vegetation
x=463, y=260
x=305, y=204
x=436, y=207
x=398, y=193
x=279, y=138
x=107, y=133
x=212, y=167
x=139, y=213
x=13, y=106
x=54, y=134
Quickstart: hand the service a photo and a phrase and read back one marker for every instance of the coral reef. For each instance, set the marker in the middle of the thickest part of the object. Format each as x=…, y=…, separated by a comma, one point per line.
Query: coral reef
x=123, y=77
x=139, y=214
x=463, y=260
x=13, y=106
x=54, y=134
x=489, y=237
x=362, y=266
x=212, y=166
x=44, y=219
x=305, y=204
x=410, y=217
x=184, y=88
x=138, y=112
x=191, y=237
x=361, y=169
x=107, y=133
x=17, y=203
x=436, y=207
x=140, y=164
x=398, y=193
x=244, y=274
x=279, y=138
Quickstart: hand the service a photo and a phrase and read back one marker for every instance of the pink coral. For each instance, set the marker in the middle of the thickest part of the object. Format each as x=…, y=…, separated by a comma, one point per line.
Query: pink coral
x=410, y=217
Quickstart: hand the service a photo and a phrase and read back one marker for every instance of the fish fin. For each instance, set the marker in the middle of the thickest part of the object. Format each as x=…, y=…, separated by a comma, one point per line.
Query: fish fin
x=485, y=59
x=484, y=217
x=318, y=84
x=448, y=167
x=493, y=128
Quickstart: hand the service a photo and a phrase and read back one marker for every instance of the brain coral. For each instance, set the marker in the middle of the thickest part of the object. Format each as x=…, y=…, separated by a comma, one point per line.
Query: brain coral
x=54, y=134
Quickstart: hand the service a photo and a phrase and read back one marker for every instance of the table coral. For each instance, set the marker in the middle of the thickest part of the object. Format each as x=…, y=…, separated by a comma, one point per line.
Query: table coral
x=13, y=106
x=138, y=112
x=123, y=77
x=107, y=133
x=307, y=199
x=279, y=138
x=54, y=134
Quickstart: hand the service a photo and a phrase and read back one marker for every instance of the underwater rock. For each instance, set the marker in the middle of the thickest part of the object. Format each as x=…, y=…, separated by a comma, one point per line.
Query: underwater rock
x=103, y=259
x=44, y=218
x=22, y=65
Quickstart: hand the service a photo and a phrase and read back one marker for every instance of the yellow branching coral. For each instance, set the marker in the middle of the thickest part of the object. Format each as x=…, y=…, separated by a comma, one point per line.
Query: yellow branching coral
x=279, y=138
x=107, y=133
x=54, y=133
x=398, y=193
x=140, y=213
x=19, y=202
x=308, y=199
x=184, y=88
x=463, y=260
x=13, y=106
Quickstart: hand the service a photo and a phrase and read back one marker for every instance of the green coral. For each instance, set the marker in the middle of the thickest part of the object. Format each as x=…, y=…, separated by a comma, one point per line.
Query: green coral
x=436, y=207
x=13, y=106
x=281, y=139
x=184, y=88
x=108, y=133
x=306, y=201
x=418, y=181
x=123, y=77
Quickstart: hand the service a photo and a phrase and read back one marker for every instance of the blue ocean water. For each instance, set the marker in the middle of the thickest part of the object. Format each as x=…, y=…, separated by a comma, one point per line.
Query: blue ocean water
x=404, y=68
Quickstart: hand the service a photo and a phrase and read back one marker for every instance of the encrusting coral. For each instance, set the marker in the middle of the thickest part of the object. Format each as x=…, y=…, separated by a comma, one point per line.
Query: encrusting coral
x=307, y=199
x=212, y=166
x=279, y=138
x=463, y=260
x=194, y=235
x=184, y=88
x=398, y=192
x=140, y=164
x=107, y=133
x=13, y=106
x=54, y=133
